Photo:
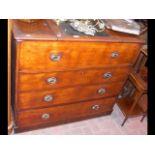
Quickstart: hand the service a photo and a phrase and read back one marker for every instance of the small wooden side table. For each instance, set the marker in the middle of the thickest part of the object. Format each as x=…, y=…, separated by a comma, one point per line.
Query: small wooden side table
x=130, y=105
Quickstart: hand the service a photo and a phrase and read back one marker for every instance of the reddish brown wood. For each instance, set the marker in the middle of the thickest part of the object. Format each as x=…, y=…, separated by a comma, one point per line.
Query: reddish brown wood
x=39, y=30
x=35, y=99
x=36, y=56
x=48, y=30
x=79, y=72
x=142, y=59
x=10, y=114
x=29, y=20
x=59, y=114
x=138, y=82
x=39, y=81
x=131, y=107
x=125, y=105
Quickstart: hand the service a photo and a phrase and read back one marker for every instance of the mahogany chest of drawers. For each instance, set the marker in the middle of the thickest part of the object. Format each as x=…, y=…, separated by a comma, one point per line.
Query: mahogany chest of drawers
x=57, y=78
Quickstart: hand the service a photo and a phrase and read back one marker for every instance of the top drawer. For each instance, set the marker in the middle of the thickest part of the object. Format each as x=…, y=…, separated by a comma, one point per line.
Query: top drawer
x=44, y=56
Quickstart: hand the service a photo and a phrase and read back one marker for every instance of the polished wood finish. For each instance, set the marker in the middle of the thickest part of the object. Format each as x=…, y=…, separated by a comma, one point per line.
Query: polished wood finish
x=48, y=30
x=139, y=66
x=64, y=113
x=36, y=56
x=142, y=59
x=42, y=51
x=125, y=104
x=138, y=82
x=10, y=118
x=39, y=81
x=35, y=99
x=38, y=31
x=130, y=106
x=29, y=20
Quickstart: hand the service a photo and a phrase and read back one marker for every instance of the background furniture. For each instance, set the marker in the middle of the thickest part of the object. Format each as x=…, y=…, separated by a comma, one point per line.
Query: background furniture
x=130, y=102
x=59, y=78
x=131, y=105
x=142, y=60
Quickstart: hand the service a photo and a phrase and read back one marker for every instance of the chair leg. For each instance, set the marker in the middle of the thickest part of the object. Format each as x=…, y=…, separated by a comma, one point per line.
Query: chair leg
x=124, y=121
x=143, y=118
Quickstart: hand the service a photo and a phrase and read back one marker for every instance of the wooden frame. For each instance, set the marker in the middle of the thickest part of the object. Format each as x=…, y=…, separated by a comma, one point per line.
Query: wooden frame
x=10, y=120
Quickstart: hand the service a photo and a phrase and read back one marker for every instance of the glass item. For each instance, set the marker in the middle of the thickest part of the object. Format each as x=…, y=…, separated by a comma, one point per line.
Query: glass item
x=89, y=27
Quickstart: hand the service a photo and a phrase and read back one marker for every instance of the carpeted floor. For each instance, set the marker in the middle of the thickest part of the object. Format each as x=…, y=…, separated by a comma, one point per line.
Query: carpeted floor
x=105, y=125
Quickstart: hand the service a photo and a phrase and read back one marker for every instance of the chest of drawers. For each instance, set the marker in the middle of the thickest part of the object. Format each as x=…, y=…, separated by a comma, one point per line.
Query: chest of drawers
x=58, y=78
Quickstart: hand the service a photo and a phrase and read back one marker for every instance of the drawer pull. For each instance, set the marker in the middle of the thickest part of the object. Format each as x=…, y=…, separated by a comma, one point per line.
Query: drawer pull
x=55, y=57
x=48, y=98
x=115, y=54
x=51, y=80
x=45, y=116
x=101, y=91
x=95, y=107
x=107, y=75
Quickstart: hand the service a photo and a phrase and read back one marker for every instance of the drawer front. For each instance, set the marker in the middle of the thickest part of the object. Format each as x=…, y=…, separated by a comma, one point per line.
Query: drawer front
x=45, y=81
x=54, y=56
x=64, y=113
x=28, y=100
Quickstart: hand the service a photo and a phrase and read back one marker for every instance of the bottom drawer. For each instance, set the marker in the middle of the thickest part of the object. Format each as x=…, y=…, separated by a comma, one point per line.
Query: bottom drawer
x=62, y=114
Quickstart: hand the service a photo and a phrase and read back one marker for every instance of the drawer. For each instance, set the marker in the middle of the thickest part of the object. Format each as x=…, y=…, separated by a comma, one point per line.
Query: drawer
x=45, y=81
x=54, y=56
x=27, y=100
x=65, y=113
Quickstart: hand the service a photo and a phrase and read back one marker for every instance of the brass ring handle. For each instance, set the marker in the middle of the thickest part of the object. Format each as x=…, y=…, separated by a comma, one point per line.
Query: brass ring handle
x=101, y=91
x=51, y=80
x=107, y=75
x=115, y=54
x=55, y=57
x=45, y=116
x=48, y=98
x=96, y=107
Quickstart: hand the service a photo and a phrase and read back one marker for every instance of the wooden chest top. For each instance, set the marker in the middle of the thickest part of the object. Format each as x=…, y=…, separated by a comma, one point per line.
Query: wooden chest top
x=48, y=30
